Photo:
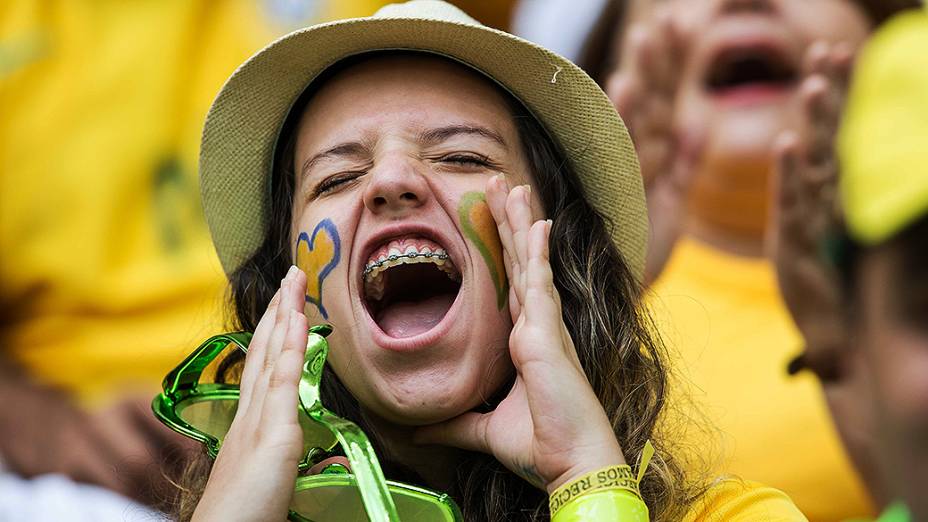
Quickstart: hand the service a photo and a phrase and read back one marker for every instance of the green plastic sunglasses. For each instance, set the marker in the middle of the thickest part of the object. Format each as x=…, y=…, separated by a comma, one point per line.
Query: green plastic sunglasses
x=204, y=411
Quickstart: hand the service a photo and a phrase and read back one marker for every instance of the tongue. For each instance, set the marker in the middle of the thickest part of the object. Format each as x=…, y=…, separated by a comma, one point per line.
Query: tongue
x=406, y=319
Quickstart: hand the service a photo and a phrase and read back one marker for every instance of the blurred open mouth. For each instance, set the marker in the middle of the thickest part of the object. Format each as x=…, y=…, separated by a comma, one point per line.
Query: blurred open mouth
x=749, y=74
x=409, y=285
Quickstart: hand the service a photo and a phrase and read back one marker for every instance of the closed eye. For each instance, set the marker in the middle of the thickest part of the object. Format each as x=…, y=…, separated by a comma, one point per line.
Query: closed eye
x=468, y=160
x=333, y=183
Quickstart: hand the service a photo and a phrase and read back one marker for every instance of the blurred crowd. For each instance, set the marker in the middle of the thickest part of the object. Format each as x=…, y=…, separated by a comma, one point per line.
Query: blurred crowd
x=783, y=149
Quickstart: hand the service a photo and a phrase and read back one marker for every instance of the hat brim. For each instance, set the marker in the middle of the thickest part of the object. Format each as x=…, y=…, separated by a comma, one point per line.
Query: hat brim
x=242, y=126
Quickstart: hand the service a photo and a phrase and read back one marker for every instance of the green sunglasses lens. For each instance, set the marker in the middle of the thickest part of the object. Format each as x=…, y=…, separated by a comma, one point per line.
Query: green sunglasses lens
x=210, y=406
x=336, y=498
x=211, y=416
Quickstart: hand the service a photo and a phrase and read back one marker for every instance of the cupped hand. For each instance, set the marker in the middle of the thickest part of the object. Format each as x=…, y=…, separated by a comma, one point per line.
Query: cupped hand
x=805, y=210
x=550, y=428
x=254, y=474
x=644, y=91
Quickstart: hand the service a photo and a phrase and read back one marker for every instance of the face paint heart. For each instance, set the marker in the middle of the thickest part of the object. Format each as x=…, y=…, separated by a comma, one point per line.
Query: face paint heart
x=478, y=225
x=317, y=255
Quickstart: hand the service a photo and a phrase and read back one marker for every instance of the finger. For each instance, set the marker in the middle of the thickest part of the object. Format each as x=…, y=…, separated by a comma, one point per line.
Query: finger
x=623, y=92
x=814, y=60
x=467, y=432
x=282, y=398
x=515, y=307
x=653, y=155
x=540, y=303
x=497, y=193
x=690, y=141
x=667, y=53
x=841, y=63
x=291, y=298
x=819, y=128
x=519, y=216
x=543, y=303
x=256, y=349
x=635, y=51
x=784, y=187
x=280, y=319
x=842, y=56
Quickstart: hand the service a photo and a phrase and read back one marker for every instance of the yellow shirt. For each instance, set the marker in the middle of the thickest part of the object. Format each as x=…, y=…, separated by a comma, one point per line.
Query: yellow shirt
x=732, y=337
x=107, y=273
x=735, y=500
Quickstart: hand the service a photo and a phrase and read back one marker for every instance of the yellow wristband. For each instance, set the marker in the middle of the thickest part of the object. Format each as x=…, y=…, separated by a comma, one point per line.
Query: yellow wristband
x=605, y=504
x=612, y=477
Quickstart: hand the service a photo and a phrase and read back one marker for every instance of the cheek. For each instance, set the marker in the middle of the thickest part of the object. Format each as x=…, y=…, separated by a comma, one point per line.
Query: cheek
x=479, y=228
x=318, y=253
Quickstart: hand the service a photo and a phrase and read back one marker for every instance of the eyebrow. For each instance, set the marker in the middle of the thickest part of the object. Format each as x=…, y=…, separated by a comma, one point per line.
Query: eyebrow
x=351, y=148
x=440, y=134
x=428, y=138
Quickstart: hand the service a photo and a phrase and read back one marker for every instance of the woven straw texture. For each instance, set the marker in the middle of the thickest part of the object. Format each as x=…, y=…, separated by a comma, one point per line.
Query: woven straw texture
x=243, y=123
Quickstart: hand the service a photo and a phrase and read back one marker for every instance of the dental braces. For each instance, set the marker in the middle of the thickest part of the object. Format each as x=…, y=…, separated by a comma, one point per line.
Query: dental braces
x=370, y=268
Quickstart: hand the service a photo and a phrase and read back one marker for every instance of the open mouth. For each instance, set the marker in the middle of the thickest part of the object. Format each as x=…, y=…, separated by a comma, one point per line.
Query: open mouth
x=409, y=285
x=750, y=68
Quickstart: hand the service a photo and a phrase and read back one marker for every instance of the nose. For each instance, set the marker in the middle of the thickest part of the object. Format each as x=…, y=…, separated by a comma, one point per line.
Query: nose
x=395, y=186
x=746, y=6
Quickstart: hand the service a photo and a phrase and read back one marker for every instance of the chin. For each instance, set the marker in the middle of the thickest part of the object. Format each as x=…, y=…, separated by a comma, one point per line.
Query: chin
x=439, y=395
x=746, y=137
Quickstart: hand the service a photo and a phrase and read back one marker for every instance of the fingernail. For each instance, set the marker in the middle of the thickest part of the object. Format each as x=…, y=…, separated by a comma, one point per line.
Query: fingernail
x=503, y=182
x=291, y=272
x=527, y=193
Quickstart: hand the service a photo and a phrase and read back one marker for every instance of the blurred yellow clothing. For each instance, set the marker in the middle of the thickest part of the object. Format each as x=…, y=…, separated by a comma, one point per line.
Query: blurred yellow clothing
x=108, y=277
x=732, y=337
x=734, y=500
x=107, y=273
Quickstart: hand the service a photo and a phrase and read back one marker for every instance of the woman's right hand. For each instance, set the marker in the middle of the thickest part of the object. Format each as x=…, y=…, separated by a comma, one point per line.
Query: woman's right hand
x=805, y=207
x=254, y=474
x=644, y=91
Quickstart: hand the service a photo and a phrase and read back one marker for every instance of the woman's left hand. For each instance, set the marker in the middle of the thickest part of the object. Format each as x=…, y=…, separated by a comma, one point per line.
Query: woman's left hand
x=550, y=428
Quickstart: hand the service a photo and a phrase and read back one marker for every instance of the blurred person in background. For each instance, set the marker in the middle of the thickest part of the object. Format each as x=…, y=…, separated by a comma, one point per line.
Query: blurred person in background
x=705, y=87
x=107, y=273
x=105, y=263
x=559, y=25
x=861, y=264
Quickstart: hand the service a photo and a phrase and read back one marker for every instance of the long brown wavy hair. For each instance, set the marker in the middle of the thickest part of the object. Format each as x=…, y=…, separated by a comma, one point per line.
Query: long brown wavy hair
x=601, y=300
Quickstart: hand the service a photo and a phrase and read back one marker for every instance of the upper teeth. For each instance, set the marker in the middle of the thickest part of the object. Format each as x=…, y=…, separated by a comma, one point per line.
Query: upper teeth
x=396, y=259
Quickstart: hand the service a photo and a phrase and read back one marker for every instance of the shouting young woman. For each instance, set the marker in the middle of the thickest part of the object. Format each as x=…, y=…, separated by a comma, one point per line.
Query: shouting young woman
x=465, y=209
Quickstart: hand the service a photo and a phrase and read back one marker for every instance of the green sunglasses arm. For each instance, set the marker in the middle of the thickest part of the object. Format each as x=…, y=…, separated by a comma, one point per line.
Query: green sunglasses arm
x=364, y=464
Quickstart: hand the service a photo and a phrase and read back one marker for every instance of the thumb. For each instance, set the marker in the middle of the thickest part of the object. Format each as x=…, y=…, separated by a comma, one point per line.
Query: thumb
x=467, y=432
x=691, y=139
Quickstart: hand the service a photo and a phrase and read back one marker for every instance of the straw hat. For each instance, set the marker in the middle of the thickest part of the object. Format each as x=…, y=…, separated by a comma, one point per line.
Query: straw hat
x=244, y=121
